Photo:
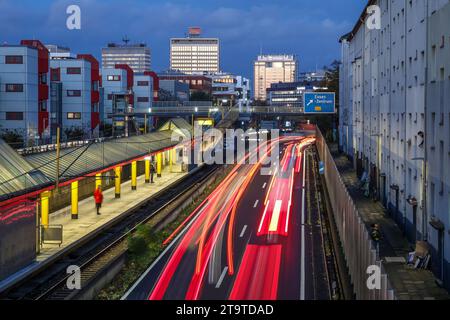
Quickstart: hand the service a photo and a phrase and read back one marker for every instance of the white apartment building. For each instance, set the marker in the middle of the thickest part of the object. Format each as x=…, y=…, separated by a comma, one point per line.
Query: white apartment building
x=75, y=77
x=270, y=69
x=395, y=116
x=24, y=91
x=143, y=92
x=194, y=54
x=114, y=82
x=143, y=98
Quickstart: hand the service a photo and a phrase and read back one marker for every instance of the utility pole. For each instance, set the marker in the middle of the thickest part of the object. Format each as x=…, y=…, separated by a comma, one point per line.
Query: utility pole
x=145, y=124
x=58, y=152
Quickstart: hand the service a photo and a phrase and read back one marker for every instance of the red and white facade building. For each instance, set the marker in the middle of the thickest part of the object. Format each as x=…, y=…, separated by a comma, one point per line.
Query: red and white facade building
x=80, y=79
x=24, y=91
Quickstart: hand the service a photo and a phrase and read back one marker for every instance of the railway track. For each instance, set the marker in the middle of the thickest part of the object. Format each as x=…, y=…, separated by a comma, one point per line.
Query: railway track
x=98, y=254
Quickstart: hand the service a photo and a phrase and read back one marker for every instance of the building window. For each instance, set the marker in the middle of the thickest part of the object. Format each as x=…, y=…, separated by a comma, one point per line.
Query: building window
x=43, y=106
x=14, y=87
x=74, y=93
x=43, y=78
x=17, y=116
x=113, y=78
x=13, y=59
x=55, y=74
x=73, y=70
x=74, y=115
x=142, y=99
x=110, y=96
x=142, y=83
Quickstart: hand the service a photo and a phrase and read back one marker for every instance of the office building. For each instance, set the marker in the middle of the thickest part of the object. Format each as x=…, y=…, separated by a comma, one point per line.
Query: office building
x=195, y=54
x=173, y=90
x=286, y=94
x=314, y=78
x=270, y=69
x=24, y=92
x=137, y=56
x=230, y=90
x=197, y=82
x=395, y=117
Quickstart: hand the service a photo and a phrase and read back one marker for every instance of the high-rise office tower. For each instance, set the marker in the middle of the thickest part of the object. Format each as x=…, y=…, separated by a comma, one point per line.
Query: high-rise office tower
x=136, y=56
x=194, y=54
x=270, y=69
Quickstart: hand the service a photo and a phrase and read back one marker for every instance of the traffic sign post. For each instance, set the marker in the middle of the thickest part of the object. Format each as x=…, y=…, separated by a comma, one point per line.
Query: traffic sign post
x=321, y=168
x=319, y=102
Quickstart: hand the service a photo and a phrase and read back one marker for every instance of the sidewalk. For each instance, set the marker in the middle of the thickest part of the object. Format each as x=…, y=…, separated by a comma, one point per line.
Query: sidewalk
x=89, y=222
x=408, y=283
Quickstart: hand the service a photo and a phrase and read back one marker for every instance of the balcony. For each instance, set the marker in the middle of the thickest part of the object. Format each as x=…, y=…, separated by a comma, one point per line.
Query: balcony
x=43, y=92
x=95, y=97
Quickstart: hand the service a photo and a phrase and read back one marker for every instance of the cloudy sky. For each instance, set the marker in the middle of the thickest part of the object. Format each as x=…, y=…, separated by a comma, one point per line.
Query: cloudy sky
x=308, y=28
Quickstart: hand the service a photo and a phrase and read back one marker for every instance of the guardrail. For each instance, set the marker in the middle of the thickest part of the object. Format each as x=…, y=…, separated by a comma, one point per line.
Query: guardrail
x=205, y=109
x=359, y=249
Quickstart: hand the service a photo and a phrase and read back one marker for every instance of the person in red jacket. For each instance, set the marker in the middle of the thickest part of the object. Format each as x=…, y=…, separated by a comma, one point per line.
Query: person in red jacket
x=98, y=197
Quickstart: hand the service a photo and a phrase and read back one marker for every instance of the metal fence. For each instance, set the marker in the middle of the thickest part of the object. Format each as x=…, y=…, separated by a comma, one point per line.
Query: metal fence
x=359, y=249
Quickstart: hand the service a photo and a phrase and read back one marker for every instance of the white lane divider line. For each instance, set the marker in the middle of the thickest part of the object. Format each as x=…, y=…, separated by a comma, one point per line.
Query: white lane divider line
x=256, y=204
x=264, y=185
x=302, y=257
x=243, y=231
x=222, y=276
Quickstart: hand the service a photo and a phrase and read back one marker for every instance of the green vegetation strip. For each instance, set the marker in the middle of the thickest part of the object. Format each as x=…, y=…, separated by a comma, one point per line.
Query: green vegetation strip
x=145, y=245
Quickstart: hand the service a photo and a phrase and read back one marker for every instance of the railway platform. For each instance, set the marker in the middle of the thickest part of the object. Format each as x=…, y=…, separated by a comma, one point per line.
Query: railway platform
x=89, y=223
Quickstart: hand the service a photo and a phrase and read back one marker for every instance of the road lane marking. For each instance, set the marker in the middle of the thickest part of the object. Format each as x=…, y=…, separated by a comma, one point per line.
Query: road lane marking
x=263, y=217
x=243, y=231
x=264, y=185
x=275, y=216
x=256, y=204
x=222, y=276
x=302, y=259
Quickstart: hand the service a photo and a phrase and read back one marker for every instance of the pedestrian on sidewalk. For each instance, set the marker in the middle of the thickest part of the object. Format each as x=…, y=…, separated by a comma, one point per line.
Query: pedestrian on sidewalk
x=98, y=197
x=152, y=172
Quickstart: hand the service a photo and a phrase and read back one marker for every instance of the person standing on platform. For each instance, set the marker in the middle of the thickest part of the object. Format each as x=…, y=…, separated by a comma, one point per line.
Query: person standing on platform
x=98, y=197
x=152, y=172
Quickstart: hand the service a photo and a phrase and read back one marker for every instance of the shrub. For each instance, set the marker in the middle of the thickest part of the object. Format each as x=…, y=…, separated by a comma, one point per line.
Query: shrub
x=136, y=245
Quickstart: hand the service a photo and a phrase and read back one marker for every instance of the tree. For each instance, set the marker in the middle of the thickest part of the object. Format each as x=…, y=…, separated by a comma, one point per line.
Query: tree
x=74, y=134
x=259, y=103
x=328, y=124
x=14, y=139
x=200, y=96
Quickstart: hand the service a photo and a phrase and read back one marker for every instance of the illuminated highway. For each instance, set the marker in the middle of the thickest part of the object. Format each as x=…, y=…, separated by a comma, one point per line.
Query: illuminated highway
x=251, y=239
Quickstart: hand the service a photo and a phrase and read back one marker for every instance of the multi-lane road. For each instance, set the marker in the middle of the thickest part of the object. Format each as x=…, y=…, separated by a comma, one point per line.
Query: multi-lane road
x=251, y=239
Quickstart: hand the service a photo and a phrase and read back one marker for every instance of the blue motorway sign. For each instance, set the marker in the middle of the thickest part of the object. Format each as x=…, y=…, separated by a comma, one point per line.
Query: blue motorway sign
x=319, y=102
x=321, y=168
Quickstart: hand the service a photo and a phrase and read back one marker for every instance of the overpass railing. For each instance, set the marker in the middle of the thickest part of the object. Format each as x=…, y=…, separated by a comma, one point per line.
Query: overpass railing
x=206, y=108
x=359, y=248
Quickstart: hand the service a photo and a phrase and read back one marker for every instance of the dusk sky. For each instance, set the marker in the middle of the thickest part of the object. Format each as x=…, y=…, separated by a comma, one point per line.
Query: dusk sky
x=309, y=29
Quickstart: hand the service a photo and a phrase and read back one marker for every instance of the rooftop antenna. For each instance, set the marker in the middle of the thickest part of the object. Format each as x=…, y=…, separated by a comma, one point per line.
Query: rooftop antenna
x=126, y=40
